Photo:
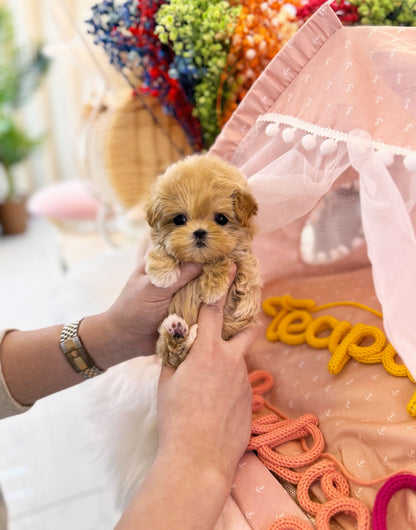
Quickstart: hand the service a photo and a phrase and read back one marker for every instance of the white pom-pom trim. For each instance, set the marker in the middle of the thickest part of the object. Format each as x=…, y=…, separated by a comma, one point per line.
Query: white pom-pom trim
x=335, y=254
x=357, y=241
x=387, y=157
x=288, y=135
x=322, y=257
x=328, y=147
x=410, y=161
x=272, y=129
x=309, y=142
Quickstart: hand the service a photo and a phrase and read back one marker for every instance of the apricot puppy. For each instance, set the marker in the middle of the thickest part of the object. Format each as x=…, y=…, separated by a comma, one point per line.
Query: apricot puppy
x=200, y=210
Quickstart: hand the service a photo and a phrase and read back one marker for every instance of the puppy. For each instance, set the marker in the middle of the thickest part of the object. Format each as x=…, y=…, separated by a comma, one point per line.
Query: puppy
x=201, y=210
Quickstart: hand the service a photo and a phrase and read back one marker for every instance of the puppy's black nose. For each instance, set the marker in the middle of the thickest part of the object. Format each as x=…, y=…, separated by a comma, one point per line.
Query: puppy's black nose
x=200, y=234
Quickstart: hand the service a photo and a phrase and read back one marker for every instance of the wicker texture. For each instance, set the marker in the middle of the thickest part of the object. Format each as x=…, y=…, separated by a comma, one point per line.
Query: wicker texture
x=137, y=149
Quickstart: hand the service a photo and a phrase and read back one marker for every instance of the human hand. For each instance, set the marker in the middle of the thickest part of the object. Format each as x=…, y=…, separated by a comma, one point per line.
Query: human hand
x=204, y=416
x=204, y=407
x=129, y=327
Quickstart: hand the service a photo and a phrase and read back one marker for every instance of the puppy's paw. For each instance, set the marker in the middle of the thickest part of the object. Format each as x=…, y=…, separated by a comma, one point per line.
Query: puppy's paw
x=162, y=277
x=213, y=290
x=213, y=297
x=175, y=340
x=162, y=268
x=175, y=326
x=215, y=281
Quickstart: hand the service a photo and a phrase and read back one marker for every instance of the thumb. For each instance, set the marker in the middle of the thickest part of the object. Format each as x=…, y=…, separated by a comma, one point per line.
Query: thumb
x=166, y=373
x=245, y=339
x=189, y=271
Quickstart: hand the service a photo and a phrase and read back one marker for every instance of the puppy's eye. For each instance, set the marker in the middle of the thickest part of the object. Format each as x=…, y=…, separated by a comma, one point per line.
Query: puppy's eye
x=220, y=219
x=180, y=219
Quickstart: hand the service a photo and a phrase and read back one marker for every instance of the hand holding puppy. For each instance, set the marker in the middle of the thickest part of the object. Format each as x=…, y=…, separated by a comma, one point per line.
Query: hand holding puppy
x=205, y=404
x=138, y=311
x=204, y=418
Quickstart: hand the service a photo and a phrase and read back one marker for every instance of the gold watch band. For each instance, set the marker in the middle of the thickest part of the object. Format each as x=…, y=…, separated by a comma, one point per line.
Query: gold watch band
x=75, y=353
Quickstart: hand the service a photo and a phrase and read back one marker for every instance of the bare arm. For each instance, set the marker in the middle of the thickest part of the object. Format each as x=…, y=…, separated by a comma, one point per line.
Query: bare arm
x=34, y=366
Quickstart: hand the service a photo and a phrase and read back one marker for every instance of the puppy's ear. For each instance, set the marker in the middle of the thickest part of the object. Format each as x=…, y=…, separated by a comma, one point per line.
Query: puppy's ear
x=245, y=206
x=152, y=212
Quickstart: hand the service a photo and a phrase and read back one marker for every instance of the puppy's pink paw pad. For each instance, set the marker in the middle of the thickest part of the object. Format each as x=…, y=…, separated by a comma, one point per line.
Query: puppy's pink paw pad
x=178, y=330
x=176, y=326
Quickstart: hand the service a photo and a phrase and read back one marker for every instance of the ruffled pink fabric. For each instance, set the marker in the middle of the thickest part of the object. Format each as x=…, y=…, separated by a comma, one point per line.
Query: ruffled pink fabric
x=326, y=83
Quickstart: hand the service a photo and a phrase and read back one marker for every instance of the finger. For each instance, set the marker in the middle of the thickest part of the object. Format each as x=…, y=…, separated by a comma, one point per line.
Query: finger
x=244, y=340
x=141, y=267
x=165, y=374
x=211, y=316
x=189, y=271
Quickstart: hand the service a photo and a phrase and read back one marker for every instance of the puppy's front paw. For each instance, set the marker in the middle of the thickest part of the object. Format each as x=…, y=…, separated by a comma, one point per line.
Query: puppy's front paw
x=175, y=340
x=213, y=287
x=160, y=276
x=162, y=268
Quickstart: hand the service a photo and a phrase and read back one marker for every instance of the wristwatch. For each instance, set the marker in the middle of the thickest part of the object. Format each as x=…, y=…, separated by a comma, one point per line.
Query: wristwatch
x=75, y=353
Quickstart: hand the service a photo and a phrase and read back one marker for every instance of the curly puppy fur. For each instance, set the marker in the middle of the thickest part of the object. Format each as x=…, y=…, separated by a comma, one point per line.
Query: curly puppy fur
x=201, y=210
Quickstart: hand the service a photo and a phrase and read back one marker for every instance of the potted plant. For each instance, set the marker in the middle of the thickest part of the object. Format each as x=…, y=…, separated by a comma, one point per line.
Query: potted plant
x=20, y=74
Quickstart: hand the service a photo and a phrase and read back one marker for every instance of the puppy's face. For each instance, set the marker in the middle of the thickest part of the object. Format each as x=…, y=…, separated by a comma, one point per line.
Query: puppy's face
x=201, y=210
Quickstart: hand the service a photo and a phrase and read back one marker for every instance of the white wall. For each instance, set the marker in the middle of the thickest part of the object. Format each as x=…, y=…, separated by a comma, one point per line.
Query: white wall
x=73, y=79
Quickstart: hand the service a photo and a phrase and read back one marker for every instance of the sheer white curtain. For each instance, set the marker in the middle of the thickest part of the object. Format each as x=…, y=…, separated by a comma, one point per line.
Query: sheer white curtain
x=74, y=77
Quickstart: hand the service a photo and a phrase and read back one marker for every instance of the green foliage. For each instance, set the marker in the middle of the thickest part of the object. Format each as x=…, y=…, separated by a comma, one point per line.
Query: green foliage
x=199, y=32
x=15, y=145
x=386, y=12
x=20, y=75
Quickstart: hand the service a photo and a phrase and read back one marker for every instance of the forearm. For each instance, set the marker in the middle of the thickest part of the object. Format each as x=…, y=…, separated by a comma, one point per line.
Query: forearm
x=179, y=495
x=34, y=366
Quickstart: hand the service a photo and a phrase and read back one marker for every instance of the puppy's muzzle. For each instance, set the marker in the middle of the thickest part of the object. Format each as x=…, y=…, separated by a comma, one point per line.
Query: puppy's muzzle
x=200, y=236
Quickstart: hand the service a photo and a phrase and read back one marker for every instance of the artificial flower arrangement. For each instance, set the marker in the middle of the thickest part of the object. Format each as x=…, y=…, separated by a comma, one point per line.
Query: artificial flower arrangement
x=200, y=57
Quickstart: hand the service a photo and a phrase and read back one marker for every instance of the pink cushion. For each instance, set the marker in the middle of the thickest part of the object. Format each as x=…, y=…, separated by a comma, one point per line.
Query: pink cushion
x=64, y=200
x=361, y=410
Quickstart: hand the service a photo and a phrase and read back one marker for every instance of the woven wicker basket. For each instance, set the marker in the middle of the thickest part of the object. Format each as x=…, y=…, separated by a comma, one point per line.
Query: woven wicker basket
x=128, y=145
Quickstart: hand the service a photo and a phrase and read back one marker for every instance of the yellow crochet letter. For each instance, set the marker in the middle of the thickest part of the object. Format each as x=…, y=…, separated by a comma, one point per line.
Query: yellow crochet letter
x=319, y=325
x=351, y=347
x=292, y=328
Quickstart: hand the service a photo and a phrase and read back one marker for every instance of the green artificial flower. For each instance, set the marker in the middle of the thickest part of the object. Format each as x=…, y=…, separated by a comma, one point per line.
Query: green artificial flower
x=199, y=33
x=386, y=12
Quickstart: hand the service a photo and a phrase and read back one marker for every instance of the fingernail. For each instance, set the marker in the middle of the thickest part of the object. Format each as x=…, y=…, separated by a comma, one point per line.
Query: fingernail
x=192, y=268
x=233, y=271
